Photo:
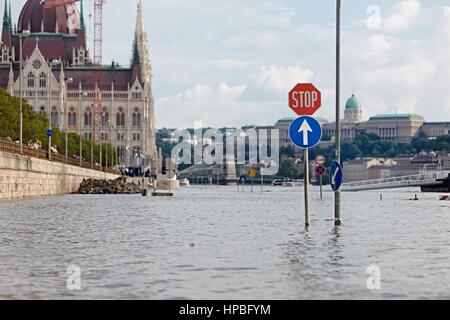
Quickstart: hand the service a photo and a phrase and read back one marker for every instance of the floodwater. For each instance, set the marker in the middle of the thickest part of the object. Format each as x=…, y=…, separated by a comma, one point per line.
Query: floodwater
x=210, y=243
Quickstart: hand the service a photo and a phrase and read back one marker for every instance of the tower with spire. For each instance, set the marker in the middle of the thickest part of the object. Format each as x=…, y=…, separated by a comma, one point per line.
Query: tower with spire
x=141, y=60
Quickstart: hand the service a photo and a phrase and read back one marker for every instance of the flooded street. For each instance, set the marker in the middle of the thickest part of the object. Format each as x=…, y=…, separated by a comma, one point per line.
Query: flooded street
x=210, y=243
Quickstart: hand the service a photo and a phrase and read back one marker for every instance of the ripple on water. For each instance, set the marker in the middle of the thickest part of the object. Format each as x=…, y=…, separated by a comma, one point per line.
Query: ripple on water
x=246, y=245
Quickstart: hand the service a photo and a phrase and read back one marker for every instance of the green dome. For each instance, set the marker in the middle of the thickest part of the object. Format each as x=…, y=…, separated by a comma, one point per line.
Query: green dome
x=352, y=103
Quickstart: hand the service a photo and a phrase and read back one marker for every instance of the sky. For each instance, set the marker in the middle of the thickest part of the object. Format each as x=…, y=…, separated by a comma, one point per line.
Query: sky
x=232, y=63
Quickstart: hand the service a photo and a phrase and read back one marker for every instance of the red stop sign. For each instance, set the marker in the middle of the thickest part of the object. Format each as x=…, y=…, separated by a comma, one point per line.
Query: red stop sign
x=305, y=99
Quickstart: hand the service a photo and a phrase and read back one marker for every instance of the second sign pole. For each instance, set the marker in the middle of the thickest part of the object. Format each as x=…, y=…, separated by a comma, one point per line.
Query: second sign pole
x=306, y=182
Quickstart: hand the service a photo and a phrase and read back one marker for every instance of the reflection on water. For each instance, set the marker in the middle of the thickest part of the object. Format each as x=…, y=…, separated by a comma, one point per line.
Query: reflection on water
x=209, y=243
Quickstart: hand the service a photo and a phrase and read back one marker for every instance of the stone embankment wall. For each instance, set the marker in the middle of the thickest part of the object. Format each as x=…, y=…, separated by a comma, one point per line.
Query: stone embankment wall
x=22, y=177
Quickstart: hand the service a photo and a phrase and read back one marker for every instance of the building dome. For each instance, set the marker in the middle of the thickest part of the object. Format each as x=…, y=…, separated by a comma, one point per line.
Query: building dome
x=34, y=17
x=352, y=103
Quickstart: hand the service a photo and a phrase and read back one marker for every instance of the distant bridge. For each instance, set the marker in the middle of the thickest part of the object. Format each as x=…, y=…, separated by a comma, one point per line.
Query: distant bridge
x=417, y=180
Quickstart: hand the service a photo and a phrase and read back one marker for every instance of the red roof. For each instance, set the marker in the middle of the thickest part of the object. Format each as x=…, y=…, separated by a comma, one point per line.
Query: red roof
x=33, y=14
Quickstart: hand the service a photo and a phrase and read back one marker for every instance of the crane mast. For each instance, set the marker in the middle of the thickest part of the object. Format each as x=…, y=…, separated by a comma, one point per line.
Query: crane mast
x=98, y=31
x=98, y=60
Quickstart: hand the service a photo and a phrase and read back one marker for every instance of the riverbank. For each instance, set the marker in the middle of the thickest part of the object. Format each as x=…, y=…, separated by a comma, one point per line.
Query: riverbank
x=24, y=177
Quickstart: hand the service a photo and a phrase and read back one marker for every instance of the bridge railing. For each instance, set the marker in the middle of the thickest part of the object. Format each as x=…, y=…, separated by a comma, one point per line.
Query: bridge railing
x=397, y=181
x=14, y=148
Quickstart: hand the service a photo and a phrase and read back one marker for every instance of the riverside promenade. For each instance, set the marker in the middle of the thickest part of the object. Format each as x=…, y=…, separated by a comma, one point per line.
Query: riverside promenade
x=30, y=174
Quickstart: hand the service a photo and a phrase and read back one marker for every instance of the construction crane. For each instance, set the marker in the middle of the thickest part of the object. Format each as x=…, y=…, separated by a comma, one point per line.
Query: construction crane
x=98, y=31
x=98, y=60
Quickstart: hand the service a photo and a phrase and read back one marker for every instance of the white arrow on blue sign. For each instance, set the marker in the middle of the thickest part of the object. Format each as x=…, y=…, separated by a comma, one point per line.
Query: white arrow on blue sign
x=49, y=133
x=305, y=132
x=336, y=175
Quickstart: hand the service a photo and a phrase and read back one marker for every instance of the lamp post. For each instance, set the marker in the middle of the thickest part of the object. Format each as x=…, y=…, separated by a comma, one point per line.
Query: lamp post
x=23, y=34
x=66, y=117
x=50, y=98
x=109, y=140
x=103, y=115
x=92, y=134
x=120, y=159
x=81, y=95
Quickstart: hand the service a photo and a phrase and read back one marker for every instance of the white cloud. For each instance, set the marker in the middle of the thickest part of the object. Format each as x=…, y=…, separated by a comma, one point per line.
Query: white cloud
x=232, y=63
x=282, y=79
x=410, y=74
x=447, y=11
x=403, y=15
x=254, y=38
x=378, y=45
x=229, y=92
x=212, y=105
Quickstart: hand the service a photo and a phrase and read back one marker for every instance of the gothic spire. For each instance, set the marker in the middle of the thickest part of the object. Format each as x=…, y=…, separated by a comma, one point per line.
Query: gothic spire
x=140, y=45
x=136, y=57
x=140, y=32
x=5, y=14
x=10, y=16
x=81, y=15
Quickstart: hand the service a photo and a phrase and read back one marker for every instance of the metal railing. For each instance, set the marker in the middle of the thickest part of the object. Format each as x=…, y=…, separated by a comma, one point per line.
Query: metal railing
x=396, y=182
x=14, y=148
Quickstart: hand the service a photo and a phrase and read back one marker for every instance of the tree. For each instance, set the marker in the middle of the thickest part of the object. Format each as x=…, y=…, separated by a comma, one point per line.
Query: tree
x=35, y=126
x=288, y=168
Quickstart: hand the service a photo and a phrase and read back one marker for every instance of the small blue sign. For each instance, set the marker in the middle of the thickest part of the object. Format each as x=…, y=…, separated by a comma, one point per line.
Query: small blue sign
x=336, y=176
x=305, y=132
x=49, y=133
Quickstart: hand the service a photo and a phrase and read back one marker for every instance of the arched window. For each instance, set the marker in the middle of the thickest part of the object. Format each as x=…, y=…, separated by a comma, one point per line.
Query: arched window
x=31, y=80
x=42, y=111
x=55, y=117
x=120, y=118
x=121, y=152
x=136, y=118
x=105, y=117
x=72, y=117
x=43, y=80
x=88, y=117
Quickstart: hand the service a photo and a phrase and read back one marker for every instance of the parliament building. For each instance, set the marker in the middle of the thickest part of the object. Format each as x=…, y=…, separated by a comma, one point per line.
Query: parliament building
x=61, y=81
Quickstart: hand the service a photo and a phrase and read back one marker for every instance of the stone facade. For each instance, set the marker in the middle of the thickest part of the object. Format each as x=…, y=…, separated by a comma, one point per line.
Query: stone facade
x=23, y=177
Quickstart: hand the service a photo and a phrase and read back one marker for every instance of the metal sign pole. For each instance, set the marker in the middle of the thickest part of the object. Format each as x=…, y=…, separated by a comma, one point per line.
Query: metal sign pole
x=337, y=195
x=306, y=183
x=321, y=188
x=262, y=182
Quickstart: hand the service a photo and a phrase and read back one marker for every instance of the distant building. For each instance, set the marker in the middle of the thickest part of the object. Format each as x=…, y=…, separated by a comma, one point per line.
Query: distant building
x=389, y=127
x=404, y=165
x=398, y=127
x=360, y=169
x=435, y=129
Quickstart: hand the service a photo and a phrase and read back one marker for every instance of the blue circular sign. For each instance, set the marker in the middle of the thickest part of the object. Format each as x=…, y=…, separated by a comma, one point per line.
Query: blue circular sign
x=49, y=133
x=305, y=132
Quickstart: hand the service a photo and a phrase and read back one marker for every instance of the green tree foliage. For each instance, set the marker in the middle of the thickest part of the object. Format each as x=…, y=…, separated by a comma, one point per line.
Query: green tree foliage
x=35, y=126
x=288, y=168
